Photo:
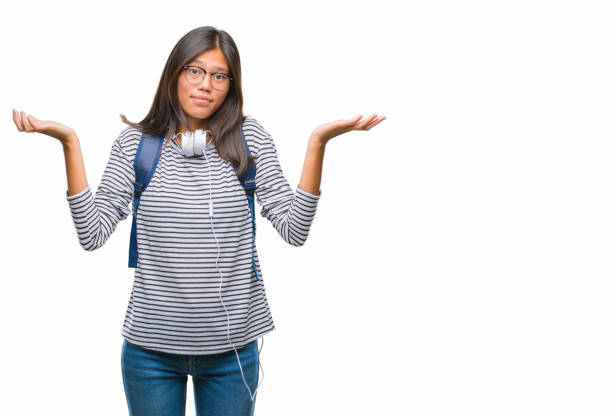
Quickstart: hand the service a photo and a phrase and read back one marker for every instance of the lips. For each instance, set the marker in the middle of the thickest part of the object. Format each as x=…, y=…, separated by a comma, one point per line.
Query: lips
x=202, y=99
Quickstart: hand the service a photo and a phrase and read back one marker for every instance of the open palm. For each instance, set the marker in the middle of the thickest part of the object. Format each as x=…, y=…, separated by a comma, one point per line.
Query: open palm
x=31, y=124
x=327, y=131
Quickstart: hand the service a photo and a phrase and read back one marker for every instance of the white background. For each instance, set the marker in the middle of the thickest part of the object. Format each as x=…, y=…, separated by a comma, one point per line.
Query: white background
x=459, y=261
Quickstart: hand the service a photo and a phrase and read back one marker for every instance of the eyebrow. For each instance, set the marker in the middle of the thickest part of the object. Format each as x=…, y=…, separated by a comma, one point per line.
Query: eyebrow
x=218, y=68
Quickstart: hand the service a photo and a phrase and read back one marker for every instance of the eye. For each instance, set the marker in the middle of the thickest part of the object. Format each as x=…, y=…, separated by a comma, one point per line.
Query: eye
x=194, y=71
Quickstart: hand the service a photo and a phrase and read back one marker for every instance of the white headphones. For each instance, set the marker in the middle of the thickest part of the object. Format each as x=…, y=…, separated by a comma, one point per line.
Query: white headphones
x=193, y=142
x=210, y=215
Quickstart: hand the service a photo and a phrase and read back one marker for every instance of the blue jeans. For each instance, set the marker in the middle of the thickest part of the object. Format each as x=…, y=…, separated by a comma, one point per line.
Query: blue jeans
x=155, y=382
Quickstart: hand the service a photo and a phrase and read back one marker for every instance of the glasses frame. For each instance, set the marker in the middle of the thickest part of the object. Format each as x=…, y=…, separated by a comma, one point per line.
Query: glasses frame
x=186, y=67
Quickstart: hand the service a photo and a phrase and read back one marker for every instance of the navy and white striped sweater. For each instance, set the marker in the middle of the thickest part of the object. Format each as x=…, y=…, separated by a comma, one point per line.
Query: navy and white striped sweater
x=174, y=306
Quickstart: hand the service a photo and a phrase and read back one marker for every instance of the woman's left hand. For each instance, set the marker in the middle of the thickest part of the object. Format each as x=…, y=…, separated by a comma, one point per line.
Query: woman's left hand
x=327, y=131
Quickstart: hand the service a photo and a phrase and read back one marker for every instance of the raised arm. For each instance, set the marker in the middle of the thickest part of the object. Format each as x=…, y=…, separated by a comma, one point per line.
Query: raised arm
x=95, y=218
x=75, y=167
x=290, y=212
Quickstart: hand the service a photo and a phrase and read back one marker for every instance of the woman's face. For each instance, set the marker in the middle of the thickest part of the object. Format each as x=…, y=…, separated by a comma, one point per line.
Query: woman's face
x=200, y=101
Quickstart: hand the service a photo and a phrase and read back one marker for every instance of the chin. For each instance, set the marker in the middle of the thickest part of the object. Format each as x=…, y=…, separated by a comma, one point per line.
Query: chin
x=200, y=116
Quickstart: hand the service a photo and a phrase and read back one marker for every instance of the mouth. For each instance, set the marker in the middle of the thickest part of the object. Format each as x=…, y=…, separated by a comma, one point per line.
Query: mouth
x=202, y=100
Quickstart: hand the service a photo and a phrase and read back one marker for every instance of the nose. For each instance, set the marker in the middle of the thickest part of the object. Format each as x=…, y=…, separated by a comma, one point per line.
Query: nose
x=206, y=82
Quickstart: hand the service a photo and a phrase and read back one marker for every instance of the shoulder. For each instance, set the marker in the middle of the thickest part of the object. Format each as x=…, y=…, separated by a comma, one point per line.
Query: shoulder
x=127, y=141
x=255, y=135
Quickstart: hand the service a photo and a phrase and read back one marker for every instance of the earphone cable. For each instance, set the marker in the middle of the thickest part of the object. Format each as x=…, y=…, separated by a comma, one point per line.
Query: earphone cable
x=211, y=213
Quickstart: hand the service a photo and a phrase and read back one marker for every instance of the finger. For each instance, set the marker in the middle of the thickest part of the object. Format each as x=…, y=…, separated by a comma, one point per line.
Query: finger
x=375, y=122
x=34, y=122
x=26, y=124
x=17, y=120
x=22, y=115
x=379, y=120
x=365, y=122
x=368, y=120
x=371, y=118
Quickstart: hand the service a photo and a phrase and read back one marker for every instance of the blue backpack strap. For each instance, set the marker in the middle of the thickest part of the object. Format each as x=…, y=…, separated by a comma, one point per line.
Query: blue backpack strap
x=248, y=183
x=145, y=162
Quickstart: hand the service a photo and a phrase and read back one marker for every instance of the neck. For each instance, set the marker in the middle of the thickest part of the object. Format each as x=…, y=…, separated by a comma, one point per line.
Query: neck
x=199, y=124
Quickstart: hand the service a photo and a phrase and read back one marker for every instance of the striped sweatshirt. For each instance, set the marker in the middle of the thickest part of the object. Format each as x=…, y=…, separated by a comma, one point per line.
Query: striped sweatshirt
x=186, y=259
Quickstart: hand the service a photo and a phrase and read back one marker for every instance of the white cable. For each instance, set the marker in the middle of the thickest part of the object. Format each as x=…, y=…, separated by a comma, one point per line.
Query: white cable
x=210, y=213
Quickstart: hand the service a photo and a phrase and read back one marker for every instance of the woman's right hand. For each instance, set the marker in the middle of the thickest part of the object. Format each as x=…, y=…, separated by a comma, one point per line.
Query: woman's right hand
x=31, y=124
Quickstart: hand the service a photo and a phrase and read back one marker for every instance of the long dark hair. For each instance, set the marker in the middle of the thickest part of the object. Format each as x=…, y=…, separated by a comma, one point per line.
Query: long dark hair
x=224, y=125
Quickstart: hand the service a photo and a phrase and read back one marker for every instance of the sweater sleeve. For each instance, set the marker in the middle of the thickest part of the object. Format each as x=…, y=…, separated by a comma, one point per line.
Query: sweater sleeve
x=95, y=218
x=291, y=213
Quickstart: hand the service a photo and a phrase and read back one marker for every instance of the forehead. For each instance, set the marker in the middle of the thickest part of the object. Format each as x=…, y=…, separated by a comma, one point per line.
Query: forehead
x=212, y=59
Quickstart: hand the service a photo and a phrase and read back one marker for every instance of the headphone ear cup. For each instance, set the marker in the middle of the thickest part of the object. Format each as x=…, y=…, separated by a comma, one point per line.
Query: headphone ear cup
x=187, y=144
x=199, y=142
